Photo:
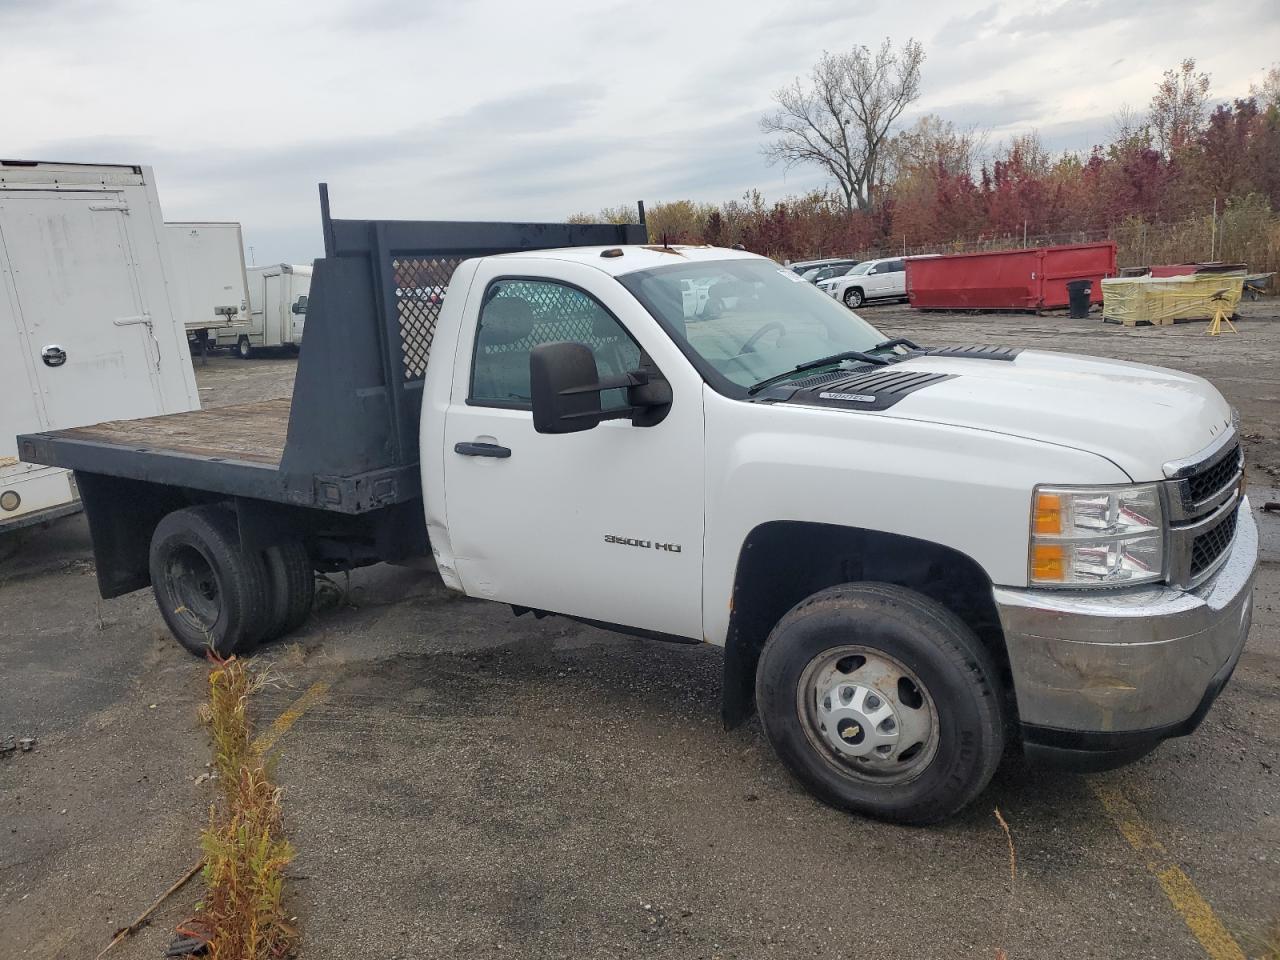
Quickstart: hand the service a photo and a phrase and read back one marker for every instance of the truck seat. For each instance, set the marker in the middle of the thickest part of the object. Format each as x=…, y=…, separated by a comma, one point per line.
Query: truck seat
x=502, y=369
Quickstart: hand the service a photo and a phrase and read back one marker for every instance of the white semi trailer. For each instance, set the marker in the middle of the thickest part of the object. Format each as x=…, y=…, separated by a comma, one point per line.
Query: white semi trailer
x=211, y=285
x=87, y=324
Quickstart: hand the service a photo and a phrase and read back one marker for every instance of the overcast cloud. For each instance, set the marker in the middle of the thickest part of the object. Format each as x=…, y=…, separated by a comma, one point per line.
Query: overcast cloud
x=535, y=110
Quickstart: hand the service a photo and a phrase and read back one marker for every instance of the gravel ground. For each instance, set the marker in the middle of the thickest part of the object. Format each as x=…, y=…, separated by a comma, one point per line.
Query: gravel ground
x=474, y=783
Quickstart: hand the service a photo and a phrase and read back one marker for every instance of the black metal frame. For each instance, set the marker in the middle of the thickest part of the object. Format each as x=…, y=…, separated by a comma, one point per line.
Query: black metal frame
x=352, y=442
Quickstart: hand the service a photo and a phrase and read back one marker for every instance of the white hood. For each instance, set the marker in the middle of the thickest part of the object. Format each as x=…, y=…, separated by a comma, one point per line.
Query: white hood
x=1138, y=416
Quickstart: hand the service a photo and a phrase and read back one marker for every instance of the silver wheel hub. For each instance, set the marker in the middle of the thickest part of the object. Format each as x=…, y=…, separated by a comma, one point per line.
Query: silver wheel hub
x=857, y=721
x=869, y=714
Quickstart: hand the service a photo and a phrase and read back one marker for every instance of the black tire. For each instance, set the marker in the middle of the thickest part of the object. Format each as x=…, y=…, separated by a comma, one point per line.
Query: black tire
x=244, y=349
x=212, y=594
x=954, y=668
x=291, y=588
x=853, y=298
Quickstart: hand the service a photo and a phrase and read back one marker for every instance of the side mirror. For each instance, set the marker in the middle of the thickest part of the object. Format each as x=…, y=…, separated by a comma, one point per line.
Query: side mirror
x=565, y=387
x=299, y=306
x=561, y=377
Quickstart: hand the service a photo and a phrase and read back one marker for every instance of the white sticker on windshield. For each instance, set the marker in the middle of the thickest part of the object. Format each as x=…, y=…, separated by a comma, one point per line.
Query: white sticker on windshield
x=791, y=275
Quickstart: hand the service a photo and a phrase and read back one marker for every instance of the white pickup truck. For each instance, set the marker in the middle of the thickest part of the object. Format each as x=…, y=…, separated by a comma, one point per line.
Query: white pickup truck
x=914, y=558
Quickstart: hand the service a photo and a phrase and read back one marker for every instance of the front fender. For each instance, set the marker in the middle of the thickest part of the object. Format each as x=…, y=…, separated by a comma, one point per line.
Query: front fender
x=964, y=489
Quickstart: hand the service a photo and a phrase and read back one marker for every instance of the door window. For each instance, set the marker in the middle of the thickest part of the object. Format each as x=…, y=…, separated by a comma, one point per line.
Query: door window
x=519, y=314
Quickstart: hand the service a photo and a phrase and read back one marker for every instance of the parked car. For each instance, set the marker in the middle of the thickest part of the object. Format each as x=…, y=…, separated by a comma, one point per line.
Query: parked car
x=822, y=274
x=884, y=279
x=803, y=266
x=829, y=276
x=910, y=555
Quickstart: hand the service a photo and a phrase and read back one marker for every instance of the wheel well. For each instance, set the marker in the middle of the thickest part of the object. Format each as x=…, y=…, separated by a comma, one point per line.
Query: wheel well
x=783, y=562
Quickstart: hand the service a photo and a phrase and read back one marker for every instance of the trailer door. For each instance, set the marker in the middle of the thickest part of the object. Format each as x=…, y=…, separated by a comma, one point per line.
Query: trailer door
x=274, y=309
x=73, y=282
x=20, y=409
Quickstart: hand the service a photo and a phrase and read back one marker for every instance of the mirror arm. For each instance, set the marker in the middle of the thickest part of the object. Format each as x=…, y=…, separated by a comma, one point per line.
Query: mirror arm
x=636, y=378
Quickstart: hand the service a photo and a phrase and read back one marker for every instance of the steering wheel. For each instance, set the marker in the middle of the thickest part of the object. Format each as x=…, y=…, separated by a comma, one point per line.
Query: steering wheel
x=750, y=345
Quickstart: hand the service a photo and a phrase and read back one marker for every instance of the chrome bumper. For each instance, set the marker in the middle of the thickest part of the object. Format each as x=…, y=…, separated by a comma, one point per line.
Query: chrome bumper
x=1147, y=660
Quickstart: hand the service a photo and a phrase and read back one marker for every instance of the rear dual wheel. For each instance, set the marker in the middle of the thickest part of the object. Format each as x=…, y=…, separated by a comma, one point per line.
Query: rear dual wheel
x=213, y=595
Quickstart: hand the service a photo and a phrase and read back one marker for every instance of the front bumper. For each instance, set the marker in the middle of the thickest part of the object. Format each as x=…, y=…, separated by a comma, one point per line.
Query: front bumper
x=1102, y=677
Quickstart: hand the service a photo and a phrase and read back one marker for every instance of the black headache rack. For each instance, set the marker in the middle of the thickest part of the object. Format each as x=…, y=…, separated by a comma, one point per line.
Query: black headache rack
x=350, y=446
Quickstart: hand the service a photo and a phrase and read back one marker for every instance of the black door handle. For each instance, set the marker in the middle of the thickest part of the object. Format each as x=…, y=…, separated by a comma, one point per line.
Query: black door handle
x=482, y=450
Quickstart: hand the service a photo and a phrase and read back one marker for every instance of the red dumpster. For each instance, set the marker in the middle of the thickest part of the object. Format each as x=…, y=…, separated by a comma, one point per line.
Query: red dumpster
x=1033, y=278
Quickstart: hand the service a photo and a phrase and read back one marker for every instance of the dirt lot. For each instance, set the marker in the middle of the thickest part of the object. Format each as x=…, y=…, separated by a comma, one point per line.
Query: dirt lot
x=469, y=783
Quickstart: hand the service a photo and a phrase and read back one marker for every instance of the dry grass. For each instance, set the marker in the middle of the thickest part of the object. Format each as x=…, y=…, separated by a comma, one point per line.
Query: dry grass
x=1271, y=946
x=1001, y=954
x=245, y=851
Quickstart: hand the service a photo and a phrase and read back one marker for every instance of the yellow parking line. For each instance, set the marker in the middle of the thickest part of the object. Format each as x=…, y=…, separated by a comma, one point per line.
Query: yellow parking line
x=313, y=695
x=1193, y=908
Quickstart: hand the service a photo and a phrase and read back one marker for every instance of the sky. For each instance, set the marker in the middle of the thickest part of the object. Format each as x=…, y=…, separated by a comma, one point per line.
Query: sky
x=480, y=110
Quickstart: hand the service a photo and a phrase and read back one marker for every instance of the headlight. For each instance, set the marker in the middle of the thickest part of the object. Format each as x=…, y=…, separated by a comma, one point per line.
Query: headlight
x=1104, y=536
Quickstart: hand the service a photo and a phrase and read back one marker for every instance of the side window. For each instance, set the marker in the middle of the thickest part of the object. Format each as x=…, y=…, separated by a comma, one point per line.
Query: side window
x=517, y=315
x=898, y=266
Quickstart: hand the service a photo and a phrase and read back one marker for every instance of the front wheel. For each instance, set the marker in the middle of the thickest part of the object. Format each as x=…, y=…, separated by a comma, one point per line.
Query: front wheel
x=882, y=702
x=853, y=298
x=244, y=349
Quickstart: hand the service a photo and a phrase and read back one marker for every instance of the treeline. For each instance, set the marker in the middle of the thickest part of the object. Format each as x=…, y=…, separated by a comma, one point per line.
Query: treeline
x=1171, y=186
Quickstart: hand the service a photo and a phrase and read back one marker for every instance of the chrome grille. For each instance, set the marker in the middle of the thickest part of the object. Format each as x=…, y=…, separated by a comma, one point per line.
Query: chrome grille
x=1203, y=505
x=1202, y=486
x=1209, y=546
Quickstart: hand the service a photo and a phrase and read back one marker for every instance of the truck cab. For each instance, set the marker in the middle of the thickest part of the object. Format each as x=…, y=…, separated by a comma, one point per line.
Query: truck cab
x=837, y=508
x=913, y=557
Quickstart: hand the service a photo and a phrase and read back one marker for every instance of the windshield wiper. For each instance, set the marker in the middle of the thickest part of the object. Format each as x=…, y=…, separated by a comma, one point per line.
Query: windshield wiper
x=820, y=362
x=864, y=356
x=895, y=342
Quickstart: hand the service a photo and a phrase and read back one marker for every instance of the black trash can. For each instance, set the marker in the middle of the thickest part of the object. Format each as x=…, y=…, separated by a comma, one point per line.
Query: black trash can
x=1078, y=292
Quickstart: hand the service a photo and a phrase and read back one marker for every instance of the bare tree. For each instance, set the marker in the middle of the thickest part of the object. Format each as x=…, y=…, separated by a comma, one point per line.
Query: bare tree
x=1267, y=93
x=839, y=121
x=931, y=144
x=1128, y=127
x=1177, y=109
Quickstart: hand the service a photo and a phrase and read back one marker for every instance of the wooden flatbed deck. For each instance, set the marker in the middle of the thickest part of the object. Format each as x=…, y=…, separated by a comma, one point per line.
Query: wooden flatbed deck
x=248, y=432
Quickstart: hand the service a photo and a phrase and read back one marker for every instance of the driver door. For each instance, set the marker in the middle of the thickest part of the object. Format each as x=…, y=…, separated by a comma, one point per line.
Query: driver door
x=605, y=524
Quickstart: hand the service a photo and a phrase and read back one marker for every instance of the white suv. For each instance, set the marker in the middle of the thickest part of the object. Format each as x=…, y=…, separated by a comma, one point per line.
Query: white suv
x=872, y=280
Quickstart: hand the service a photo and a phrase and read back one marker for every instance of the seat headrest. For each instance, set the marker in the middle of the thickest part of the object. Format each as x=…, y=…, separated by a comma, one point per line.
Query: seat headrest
x=730, y=288
x=506, y=320
x=603, y=326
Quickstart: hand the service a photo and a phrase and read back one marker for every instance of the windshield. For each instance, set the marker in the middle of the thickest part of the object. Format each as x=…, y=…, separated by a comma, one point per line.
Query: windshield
x=861, y=268
x=744, y=321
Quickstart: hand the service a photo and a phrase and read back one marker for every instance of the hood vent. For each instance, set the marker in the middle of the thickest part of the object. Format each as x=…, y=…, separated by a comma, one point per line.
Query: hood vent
x=975, y=353
x=876, y=390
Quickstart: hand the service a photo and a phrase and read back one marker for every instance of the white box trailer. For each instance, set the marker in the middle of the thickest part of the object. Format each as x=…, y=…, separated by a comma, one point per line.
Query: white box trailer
x=277, y=309
x=87, y=324
x=212, y=285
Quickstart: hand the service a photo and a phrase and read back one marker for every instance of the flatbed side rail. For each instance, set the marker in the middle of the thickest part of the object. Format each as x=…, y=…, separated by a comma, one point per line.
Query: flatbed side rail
x=375, y=299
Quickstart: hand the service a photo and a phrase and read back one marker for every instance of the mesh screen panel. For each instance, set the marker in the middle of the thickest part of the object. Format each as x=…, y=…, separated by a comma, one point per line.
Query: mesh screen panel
x=420, y=284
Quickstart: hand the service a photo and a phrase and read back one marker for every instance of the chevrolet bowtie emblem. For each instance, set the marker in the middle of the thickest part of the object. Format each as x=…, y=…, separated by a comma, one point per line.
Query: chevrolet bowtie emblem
x=851, y=731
